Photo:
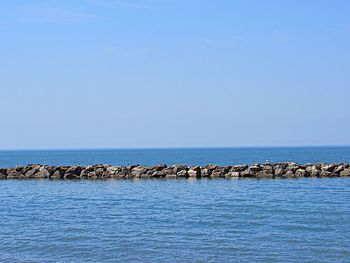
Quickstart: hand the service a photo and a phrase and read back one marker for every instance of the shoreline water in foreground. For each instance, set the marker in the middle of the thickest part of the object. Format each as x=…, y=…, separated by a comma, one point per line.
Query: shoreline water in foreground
x=104, y=171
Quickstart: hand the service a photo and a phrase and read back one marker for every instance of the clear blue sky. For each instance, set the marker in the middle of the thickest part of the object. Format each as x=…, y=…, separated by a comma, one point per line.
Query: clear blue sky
x=174, y=73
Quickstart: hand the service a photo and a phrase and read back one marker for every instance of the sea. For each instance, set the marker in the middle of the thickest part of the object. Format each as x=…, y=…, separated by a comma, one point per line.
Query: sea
x=197, y=220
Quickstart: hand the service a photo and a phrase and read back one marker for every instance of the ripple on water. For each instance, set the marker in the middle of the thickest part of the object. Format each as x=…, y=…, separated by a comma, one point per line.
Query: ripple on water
x=304, y=220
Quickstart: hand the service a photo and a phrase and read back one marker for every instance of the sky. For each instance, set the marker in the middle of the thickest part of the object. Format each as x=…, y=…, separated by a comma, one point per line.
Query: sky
x=174, y=73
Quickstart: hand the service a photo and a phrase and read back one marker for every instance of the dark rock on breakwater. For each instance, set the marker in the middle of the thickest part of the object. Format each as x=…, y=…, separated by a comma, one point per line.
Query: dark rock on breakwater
x=103, y=171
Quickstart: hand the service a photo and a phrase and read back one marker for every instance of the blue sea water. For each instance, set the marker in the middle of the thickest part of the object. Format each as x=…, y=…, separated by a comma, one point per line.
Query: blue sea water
x=200, y=156
x=291, y=220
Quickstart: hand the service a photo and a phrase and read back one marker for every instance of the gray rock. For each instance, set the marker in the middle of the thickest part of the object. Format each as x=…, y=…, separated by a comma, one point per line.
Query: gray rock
x=182, y=173
x=325, y=173
x=232, y=174
x=278, y=170
x=57, y=175
x=328, y=167
x=138, y=171
x=217, y=174
x=300, y=173
x=194, y=171
x=265, y=174
x=205, y=172
x=74, y=170
x=346, y=172
x=102, y=171
x=313, y=171
x=339, y=168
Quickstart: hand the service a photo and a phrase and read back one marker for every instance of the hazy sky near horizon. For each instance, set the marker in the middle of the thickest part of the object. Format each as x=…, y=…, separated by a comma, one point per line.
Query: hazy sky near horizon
x=174, y=73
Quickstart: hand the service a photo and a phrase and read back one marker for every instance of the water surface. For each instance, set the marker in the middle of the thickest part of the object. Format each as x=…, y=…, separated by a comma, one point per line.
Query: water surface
x=290, y=220
x=201, y=156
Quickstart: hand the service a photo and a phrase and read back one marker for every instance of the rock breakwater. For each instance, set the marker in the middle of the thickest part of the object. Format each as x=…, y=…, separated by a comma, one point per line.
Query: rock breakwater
x=103, y=171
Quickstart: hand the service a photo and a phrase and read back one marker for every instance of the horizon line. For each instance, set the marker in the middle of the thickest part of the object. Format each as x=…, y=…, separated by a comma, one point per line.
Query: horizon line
x=175, y=148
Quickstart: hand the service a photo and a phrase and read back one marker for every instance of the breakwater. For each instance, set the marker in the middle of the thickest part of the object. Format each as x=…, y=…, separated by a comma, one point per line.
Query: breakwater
x=103, y=171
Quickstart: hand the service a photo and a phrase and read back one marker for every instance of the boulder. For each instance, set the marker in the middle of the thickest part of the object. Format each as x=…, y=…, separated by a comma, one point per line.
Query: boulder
x=346, y=172
x=71, y=176
x=42, y=173
x=171, y=176
x=211, y=166
x=232, y=174
x=157, y=174
x=180, y=167
x=288, y=174
x=3, y=174
x=239, y=168
x=339, y=168
x=137, y=171
x=217, y=174
x=313, y=171
x=278, y=170
x=159, y=167
x=182, y=173
x=300, y=173
x=325, y=173
x=264, y=174
x=205, y=172
x=57, y=175
x=30, y=172
x=74, y=170
x=194, y=171
x=328, y=167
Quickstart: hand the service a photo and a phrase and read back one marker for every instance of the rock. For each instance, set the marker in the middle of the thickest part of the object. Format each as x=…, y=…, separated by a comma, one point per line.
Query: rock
x=57, y=175
x=268, y=167
x=254, y=168
x=211, y=167
x=239, y=168
x=278, y=170
x=251, y=171
x=182, y=173
x=232, y=174
x=205, y=172
x=71, y=176
x=328, y=167
x=130, y=167
x=160, y=167
x=180, y=167
x=338, y=169
x=194, y=171
x=217, y=174
x=137, y=171
x=14, y=173
x=325, y=173
x=42, y=173
x=102, y=171
x=3, y=174
x=292, y=167
x=73, y=172
x=313, y=171
x=92, y=175
x=288, y=174
x=158, y=174
x=111, y=171
x=30, y=173
x=171, y=176
x=346, y=172
x=248, y=173
x=300, y=173
x=145, y=176
x=265, y=174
